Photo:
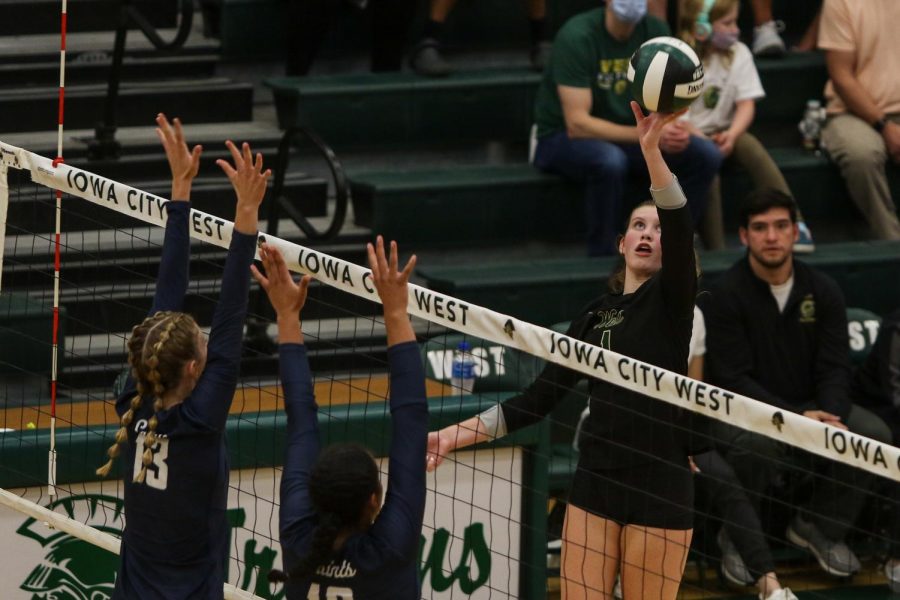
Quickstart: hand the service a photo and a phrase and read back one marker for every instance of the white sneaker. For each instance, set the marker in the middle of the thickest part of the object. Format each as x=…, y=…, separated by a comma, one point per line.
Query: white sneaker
x=782, y=594
x=766, y=41
x=804, y=243
x=892, y=572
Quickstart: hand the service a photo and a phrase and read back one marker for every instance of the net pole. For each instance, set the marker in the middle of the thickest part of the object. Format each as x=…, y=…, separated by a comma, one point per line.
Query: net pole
x=51, y=458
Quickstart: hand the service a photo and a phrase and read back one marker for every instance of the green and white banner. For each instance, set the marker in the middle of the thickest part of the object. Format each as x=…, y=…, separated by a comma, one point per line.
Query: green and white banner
x=470, y=538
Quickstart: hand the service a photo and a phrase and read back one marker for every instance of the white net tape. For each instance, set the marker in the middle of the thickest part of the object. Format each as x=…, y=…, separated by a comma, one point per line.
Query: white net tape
x=703, y=398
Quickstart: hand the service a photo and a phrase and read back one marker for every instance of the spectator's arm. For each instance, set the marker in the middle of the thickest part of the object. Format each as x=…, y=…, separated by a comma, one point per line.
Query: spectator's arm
x=841, y=69
x=744, y=113
x=576, y=106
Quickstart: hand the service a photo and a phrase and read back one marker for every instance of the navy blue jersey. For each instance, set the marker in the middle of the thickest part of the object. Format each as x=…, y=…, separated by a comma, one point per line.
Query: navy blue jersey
x=175, y=540
x=381, y=562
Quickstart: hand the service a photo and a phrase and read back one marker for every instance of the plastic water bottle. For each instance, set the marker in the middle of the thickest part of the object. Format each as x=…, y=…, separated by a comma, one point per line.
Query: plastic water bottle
x=811, y=125
x=462, y=369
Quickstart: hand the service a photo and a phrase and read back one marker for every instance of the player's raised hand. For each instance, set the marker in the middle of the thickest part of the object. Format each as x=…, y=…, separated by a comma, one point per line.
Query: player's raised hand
x=286, y=295
x=183, y=163
x=650, y=128
x=391, y=285
x=249, y=181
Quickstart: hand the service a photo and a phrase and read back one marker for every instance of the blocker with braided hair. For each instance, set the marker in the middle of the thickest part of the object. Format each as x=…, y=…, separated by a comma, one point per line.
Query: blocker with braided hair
x=176, y=400
x=338, y=539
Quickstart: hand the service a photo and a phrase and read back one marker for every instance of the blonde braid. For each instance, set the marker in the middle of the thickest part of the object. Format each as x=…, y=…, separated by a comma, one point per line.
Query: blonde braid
x=159, y=390
x=135, y=346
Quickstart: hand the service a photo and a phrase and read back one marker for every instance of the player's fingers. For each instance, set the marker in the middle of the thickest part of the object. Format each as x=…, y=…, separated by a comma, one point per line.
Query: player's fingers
x=408, y=269
x=235, y=155
x=179, y=130
x=278, y=262
x=638, y=113
x=259, y=277
x=373, y=260
x=304, y=284
x=393, y=259
x=379, y=254
x=226, y=167
x=164, y=125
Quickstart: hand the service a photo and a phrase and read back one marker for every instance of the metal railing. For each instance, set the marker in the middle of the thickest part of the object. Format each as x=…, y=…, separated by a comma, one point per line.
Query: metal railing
x=104, y=144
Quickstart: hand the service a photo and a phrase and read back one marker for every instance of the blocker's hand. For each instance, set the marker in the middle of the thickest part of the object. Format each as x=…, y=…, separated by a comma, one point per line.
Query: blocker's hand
x=286, y=295
x=183, y=163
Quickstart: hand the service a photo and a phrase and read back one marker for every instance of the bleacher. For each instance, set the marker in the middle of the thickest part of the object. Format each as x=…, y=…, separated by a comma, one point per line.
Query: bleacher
x=438, y=165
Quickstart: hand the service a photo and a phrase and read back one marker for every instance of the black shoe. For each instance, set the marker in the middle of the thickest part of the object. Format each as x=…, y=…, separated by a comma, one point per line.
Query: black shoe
x=426, y=59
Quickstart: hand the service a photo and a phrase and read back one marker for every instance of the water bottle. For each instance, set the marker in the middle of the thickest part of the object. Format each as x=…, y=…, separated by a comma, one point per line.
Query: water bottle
x=462, y=370
x=811, y=125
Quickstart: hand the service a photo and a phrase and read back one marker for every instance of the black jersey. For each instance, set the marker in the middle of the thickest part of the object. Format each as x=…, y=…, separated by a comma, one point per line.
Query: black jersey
x=653, y=325
x=175, y=540
x=380, y=563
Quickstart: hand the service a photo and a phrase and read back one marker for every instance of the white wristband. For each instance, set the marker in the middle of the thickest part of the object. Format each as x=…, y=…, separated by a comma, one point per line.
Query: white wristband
x=670, y=196
x=492, y=422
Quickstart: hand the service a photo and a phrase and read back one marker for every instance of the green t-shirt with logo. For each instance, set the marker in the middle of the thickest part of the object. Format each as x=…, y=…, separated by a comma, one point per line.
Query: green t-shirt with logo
x=585, y=55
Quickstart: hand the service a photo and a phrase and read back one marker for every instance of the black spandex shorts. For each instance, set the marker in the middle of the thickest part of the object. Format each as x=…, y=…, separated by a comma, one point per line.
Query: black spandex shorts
x=656, y=494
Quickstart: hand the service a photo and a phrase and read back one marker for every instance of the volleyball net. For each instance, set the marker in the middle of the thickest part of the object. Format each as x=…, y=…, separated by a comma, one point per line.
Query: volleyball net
x=486, y=527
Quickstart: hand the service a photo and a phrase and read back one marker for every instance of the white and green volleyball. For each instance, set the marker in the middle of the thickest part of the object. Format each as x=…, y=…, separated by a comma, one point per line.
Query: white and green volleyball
x=665, y=75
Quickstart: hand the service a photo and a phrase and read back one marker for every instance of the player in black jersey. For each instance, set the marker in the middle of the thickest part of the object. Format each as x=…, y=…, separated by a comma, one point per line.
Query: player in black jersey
x=630, y=508
x=338, y=539
x=176, y=400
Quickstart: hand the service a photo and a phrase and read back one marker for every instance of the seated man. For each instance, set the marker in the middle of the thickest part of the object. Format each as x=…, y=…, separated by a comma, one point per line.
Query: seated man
x=862, y=133
x=777, y=332
x=585, y=127
x=877, y=386
x=746, y=558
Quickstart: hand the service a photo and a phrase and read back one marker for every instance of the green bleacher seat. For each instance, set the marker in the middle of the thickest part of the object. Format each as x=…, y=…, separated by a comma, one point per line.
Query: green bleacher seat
x=26, y=335
x=368, y=109
x=511, y=202
x=376, y=109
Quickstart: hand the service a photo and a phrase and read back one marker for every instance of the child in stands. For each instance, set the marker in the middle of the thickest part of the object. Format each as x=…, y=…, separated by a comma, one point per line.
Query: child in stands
x=725, y=110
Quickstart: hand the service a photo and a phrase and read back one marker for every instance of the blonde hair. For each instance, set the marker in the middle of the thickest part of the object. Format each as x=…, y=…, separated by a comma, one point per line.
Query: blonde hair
x=687, y=23
x=158, y=349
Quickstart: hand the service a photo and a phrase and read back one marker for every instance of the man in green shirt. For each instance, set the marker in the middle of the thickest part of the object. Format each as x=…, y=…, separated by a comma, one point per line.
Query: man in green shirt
x=585, y=127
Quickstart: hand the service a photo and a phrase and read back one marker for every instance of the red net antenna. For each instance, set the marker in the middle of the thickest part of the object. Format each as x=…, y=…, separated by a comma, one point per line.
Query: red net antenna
x=51, y=463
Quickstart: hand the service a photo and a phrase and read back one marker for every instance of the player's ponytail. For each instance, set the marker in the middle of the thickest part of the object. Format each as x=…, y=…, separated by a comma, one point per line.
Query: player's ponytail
x=165, y=354
x=157, y=351
x=341, y=483
x=135, y=351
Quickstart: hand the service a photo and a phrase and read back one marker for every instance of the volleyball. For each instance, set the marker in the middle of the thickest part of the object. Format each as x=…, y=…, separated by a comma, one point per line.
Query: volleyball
x=665, y=75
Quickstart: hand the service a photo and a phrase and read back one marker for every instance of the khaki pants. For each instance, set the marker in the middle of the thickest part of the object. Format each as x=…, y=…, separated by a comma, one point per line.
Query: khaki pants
x=860, y=154
x=750, y=155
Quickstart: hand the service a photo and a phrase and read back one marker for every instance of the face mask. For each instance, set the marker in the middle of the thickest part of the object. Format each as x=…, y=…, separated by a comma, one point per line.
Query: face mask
x=724, y=40
x=629, y=11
